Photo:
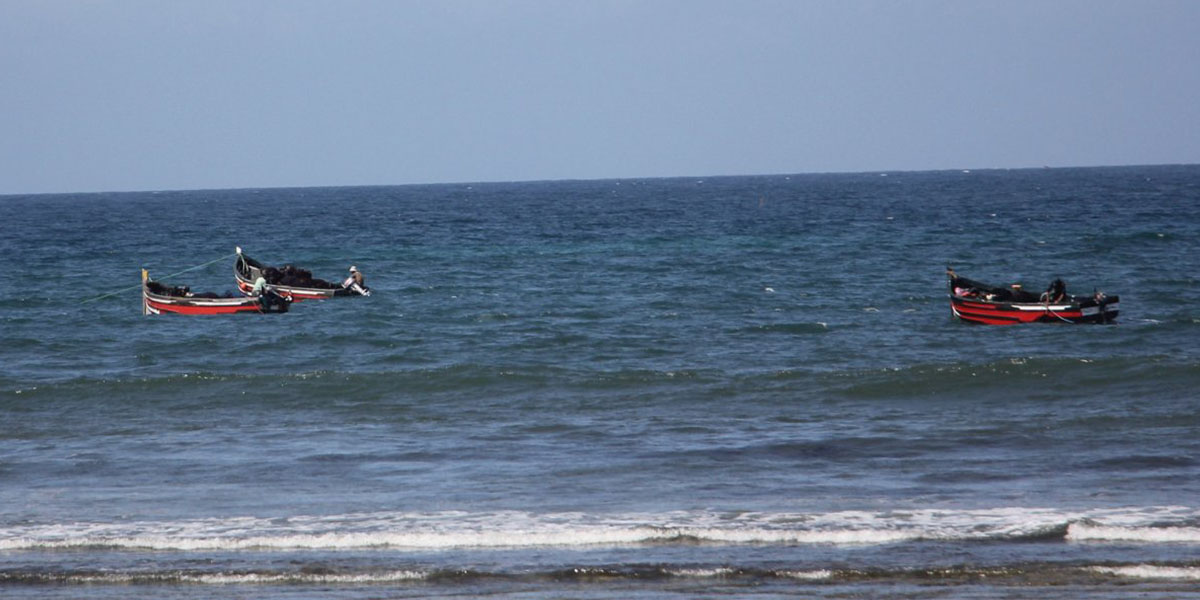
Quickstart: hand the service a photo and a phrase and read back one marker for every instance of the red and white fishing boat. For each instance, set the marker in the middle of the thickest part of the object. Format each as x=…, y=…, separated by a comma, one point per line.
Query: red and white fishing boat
x=158, y=298
x=289, y=281
x=984, y=303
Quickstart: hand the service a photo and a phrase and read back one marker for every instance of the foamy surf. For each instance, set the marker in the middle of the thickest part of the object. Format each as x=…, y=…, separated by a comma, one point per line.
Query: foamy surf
x=514, y=529
x=1151, y=572
x=1086, y=532
x=1022, y=575
x=235, y=578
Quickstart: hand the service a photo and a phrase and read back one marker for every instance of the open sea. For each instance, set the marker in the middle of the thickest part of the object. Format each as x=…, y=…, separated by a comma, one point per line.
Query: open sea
x=725, y=387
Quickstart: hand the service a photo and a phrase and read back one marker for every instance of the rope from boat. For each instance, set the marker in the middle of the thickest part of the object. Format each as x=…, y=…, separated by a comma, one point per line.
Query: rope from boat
x=1063, y=319
x=165, y=277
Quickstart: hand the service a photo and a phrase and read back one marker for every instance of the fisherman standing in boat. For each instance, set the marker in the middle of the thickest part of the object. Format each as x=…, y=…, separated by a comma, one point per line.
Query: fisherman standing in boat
x=265, y=296
x=260, y=290
x=260, y=286
x=356, y=282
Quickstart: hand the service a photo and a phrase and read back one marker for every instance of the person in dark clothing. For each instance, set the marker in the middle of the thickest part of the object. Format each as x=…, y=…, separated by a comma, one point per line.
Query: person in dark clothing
x=1056, y=293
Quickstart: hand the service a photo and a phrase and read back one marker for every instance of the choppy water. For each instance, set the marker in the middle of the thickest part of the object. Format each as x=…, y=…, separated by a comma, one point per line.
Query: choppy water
x=743, y=387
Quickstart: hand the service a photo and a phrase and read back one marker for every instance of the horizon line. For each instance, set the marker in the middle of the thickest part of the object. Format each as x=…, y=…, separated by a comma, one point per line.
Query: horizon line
x=580, y=179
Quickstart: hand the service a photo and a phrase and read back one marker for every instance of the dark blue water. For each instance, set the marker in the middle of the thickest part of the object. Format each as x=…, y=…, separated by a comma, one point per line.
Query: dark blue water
x=736, y=386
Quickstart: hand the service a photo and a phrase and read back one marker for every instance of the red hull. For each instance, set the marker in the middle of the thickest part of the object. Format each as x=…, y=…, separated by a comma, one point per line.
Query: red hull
x=1012, y=314
x=158, y=299
x=156, y=307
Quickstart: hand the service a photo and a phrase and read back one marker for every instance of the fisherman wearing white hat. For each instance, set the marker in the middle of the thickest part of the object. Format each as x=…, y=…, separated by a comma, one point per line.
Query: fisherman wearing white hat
x=356, y=282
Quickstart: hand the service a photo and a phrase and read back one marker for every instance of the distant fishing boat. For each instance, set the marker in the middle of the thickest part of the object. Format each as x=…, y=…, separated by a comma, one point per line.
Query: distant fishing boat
x=288, y=280
x=158, y=298
x=978, y=302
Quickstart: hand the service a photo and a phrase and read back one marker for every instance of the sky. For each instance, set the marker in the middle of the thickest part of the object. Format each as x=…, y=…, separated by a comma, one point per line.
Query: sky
x=130, y=95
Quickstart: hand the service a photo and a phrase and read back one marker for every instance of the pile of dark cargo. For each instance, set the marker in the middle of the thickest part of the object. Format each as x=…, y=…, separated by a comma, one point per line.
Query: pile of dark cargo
x=290, y=276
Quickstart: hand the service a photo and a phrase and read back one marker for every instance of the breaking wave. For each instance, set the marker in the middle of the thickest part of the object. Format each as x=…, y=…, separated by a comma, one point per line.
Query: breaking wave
x=1087, y=532
x=1020, y=574
x=511, y=529
x=1151, y=572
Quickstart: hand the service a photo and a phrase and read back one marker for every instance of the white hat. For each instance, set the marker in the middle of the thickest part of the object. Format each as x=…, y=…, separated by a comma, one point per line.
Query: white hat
x=353, y=269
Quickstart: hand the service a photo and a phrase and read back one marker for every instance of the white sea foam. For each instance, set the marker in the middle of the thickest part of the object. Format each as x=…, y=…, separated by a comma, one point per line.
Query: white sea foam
x=1151, y=572
x=806, y=575
x=581, y=537
x=1083, y=532
x=322, y=578
x=514, y=529
x=717, y=572
x=254, y=578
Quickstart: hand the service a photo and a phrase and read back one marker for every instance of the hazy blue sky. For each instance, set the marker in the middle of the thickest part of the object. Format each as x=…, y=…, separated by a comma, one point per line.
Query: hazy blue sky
x=145, y=95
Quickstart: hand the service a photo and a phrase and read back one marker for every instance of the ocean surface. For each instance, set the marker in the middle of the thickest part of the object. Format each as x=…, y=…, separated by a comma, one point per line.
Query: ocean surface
x=742, y=387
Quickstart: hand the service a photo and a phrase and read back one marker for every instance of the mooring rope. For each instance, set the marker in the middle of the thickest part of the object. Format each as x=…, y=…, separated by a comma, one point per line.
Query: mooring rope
x=1051, y=311
x=164, y=277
